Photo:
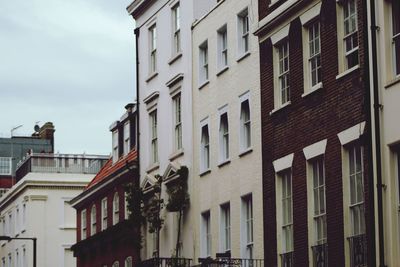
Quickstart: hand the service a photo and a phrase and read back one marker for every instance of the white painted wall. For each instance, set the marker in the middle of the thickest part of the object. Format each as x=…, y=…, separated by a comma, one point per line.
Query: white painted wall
x=243, y=175
x=48, y=217
x=160, y=13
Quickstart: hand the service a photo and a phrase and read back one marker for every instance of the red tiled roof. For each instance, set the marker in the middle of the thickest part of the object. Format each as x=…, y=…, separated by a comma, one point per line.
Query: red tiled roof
x=109, y=168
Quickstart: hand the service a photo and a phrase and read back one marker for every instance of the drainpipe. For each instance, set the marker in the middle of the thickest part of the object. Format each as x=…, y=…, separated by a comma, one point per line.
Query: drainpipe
x=376, y=116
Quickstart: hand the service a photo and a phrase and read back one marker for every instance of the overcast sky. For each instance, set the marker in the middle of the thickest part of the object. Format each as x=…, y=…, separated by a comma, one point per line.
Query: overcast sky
x=66, y=61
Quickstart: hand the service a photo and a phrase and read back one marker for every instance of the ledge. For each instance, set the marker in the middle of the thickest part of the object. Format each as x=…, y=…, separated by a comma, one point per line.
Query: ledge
x=205, y=172
x=203, y=84
x=151, y=77
x=280, y=108
x=153, y=167
x=226, y=162
x=176, y=154
x=393, y=82
x=245, y=152
x=344, y=73
x=222, y=70
x=243, y=56
x=312, y=90
x=175, y=58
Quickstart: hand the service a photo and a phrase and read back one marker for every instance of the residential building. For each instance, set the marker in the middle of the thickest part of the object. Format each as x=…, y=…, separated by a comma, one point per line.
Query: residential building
x=15, y=148
x=315, y=133
x=37, y=206
x=105, y=237
x=385, y=93
x=164, y=80
x=227, y=163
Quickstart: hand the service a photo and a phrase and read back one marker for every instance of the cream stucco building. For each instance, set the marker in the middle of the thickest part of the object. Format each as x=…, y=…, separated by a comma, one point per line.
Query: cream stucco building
x=385, y=95
x=38, y=207
x=227, y=132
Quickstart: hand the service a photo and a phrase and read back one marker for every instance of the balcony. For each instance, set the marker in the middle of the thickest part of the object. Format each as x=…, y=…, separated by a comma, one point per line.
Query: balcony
x=231, y=262
x=60, y=163
x=167, y=262
x=287, y=259
x=320, y=255
x=358, y=250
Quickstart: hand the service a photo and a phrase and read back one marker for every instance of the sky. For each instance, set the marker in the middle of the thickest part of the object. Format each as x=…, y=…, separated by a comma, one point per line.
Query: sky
x=71, y=62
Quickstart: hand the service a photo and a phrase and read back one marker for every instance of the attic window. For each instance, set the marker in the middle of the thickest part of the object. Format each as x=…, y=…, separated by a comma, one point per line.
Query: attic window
x=127, y=141
x=115, y=146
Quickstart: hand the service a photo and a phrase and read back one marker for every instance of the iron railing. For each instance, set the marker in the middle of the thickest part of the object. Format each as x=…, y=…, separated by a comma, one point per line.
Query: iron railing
x=230, y=262
x=320, y=255
x=358, y=250
x=287, y=259
x=167, y=262
x=60, y=163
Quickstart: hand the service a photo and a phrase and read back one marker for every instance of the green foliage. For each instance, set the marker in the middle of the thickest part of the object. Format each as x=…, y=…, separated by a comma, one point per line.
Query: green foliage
x=178, y=197
x=134, y=200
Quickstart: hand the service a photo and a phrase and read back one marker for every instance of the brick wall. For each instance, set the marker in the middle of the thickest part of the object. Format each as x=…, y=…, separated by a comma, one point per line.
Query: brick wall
x=339, y=105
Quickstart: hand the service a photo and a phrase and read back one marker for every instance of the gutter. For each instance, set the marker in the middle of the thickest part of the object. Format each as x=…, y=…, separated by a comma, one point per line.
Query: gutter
x=377, y=129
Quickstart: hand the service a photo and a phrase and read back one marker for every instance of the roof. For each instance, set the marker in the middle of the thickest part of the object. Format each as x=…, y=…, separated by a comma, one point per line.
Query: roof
x=109, y=168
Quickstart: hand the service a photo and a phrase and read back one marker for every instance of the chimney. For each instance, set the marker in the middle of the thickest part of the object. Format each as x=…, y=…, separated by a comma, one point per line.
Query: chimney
x=47, y=132
x=129, y=107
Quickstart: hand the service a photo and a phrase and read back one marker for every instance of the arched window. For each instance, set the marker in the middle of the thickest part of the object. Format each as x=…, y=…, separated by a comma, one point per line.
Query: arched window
x=128, y=262
x=115, y=264
x=116, y=208
x=93, y=220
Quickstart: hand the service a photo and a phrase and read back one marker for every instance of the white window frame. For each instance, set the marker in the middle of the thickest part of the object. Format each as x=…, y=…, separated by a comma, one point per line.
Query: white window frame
x=314, y=55
x=245, y=124
x=395, y=37
x=223, y=135
x=128, y=262
x=318, y=189
x=153, y=116
x=93, y=220
x=104, y=214
x=247, y=227
x=127, y=137
x=115, y=152
x=176, y=28
x=23, y=217
x=4, y=162
x=283, y=73
x=153, y=48
x=206, y=233
x=116, y=208
x=225, y=227
x=205, y=146
x=83, y=224
x=177, y=108
x=243, y=29
x=222, y=47
x=203, y=63
x=115, y=264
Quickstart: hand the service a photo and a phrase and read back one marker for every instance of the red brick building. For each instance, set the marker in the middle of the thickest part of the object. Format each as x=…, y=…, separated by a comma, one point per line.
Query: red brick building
x=315, y=135
x=105, y=236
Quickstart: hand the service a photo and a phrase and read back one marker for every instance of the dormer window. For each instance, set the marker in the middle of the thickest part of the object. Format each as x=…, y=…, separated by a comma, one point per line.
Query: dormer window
x=127, y=138
x=115, y=146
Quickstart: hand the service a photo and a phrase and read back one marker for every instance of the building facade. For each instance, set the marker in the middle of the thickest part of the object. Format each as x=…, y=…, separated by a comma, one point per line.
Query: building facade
x=105, y=236
x=38, y=207
x=164, y=80
x=227, y=164
x=14, y=149
x=315, y=133
x=385, y=92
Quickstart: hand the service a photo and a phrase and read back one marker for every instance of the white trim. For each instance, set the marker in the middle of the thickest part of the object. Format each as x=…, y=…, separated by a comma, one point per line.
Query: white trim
x=280, y=34
x=315, y=149
x=310, y=14
x=283, y=163
x=223, y=109
x=351, y=134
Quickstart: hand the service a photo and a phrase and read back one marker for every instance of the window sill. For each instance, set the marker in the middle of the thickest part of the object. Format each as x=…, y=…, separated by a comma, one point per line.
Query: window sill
x=240, y=58
x=3, y=243
x=175, y=58
x=223, y=163
x=203, y=173
x=245, y=152
x=344, y=73
x=312, y=90
x=204, y=84
x=153, y=167
x=393, y=82
x=280, y=108
x=151, y=76
x=222, y=70
x=176, y=154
